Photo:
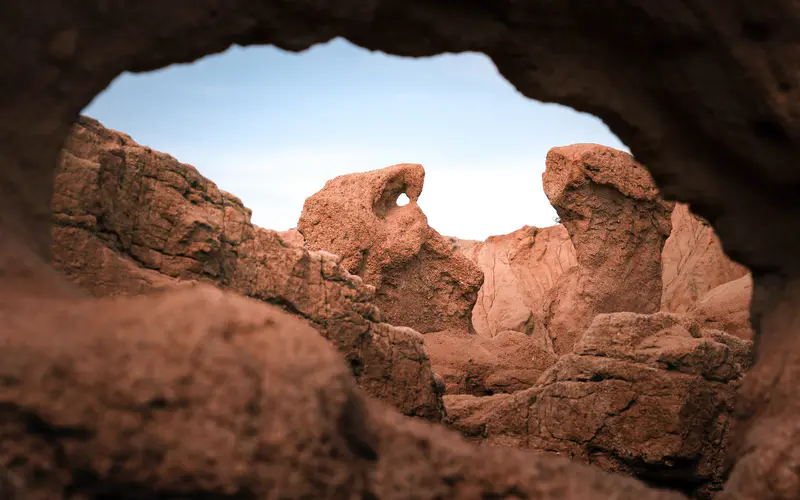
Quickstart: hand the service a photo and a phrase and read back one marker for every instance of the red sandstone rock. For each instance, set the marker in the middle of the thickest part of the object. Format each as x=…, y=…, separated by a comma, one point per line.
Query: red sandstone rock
x=713, y=116
x=472, y=364
x=235, y=399
x=519, y=271
x=727, y=307
x=421, y=281
x=130, y=220
x=292, y=237
x=693, y=262
x=618, y=224
x=647, y=395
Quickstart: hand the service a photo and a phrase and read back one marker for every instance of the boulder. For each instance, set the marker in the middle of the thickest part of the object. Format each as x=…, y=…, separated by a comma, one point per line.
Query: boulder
x=693, y=262
x=130, y=220
x=421, y=280
x=646, y=395
x=618, y=224
x=472, y=364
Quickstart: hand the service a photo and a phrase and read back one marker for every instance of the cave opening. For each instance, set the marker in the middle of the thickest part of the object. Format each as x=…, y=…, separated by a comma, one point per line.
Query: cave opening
x=580, y=76
x=272, y=126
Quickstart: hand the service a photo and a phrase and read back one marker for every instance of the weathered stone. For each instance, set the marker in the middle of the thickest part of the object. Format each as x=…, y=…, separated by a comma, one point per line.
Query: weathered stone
x=646, y=395
x=727, y=308
x=693, y=262
x=129, y=220
x=421, y=281
x=703, y=92
x=519, y=269
x=618, y=224
x=472, y=364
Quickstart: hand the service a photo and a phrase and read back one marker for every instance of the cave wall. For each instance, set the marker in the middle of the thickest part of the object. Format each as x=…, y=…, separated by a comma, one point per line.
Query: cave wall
x=705, y=94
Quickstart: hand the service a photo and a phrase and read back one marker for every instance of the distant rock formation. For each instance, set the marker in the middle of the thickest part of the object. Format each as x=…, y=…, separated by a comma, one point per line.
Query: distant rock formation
x=693, y=262
x=618, y=224
x=473, y=364
x=421, y=280
x=130, y=220
x=727, y=307
x=519, y=269
x=646, y=395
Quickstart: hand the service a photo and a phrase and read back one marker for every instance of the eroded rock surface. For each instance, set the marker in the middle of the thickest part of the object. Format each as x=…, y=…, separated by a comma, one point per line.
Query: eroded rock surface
x=519, y=269
x=473, y=364
x=421, y=281
x=130, y=220
x=236, y=400
x=693, y=262
x=647, y=395
x=713, y=116
x=727, y=307
x=618, y=223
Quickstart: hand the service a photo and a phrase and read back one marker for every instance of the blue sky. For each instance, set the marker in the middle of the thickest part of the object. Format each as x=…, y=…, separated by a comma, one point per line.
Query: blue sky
x=271, y=127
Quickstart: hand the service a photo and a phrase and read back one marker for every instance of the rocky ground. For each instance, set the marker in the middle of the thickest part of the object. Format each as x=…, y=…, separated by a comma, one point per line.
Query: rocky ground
x=617, y=338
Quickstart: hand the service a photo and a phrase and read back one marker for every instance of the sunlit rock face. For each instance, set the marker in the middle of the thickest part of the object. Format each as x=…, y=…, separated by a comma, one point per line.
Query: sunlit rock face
x=618, y=224
x=421, y=280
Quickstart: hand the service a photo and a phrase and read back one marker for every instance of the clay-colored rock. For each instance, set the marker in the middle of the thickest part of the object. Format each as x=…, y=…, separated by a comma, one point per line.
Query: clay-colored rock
x=237, y=399
x=618, y=224
x=472, y=364
x=519, y=271
x=421, y=281
x=693, y=262
x=713, y=116
x=130, y=220
x=292, y=237
x=727, y=307
x=647, y=395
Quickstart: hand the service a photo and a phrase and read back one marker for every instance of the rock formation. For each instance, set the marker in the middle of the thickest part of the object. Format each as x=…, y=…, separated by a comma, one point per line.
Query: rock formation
x=618, y=224
x=693, y=262
x=703, y=92
x=473, y=364
x=292, y=237
x=236, y=400
x=647, y=395
x=519, y=271
x=129, y=220
x=421, y=281
x=727, y=307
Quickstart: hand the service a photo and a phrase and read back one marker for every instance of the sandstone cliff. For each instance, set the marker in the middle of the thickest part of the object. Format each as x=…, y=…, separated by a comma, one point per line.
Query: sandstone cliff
x=519, y=269
x=130, y=220
x=693, y=262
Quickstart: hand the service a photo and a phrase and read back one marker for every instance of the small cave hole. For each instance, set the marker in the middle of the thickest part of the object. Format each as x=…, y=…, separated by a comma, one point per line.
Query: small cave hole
x=403, y=200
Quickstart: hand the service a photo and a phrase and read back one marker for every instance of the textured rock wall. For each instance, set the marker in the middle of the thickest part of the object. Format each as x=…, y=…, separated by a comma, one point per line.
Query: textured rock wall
x=129, y=220
x=646, y=395
x=693, y=262
x=520, y=269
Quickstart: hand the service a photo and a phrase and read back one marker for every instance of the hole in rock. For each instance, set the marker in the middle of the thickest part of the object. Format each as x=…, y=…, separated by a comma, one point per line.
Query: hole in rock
x=403, y=200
